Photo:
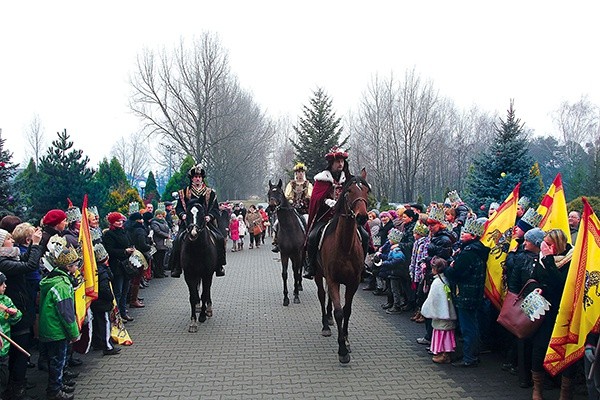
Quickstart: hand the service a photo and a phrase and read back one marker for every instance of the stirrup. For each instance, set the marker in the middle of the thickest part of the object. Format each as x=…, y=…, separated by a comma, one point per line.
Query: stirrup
x=275, y=249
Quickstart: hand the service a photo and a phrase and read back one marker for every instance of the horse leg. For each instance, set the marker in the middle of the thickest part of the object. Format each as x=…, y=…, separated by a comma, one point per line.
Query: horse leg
x=284, y=277
x=350, y=292
x=206, y=300
x=339, y=314
x=325, y=331
x=297, y=271
x=194, y=299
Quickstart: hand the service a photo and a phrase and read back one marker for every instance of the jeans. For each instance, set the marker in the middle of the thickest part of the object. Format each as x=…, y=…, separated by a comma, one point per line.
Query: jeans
x=469, y=327
x=57, y=358
x=395, y=287
x=121, y=289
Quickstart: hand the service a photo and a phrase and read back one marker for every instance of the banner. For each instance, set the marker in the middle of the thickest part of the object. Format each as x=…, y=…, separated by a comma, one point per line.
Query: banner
x=580, y=304
x=553, y=209
x=497, y=236
x=87, y=291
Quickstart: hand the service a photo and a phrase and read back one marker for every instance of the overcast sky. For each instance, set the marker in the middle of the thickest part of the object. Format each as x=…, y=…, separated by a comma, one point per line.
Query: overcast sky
x=70, y=62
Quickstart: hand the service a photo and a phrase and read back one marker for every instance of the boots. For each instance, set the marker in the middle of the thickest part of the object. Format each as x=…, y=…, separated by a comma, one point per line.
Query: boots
x=17, y=391
x=240, y=246
x=309, y=268
x=538, y=385
x=135, y=302
x=275, y=244
x=566, y=388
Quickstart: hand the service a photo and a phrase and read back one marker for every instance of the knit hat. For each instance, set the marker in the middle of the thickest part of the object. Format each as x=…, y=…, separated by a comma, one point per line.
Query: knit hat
x=135, y=216
x=54, y=217
x=3, y=235
x=535, y=236
x=529, y=220
x=393, y=214
x=384, y=214
x=114, y=217
x=100, y=252
x=147, y=216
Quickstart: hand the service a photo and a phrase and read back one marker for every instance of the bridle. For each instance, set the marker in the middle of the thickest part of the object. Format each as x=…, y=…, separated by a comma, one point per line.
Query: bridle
x=349, y=207
x=194, y=225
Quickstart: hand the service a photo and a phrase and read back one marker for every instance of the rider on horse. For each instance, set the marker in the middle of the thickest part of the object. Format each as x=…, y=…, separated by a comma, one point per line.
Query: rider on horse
x=327, y=189
x=298, y=192
x=198, y=190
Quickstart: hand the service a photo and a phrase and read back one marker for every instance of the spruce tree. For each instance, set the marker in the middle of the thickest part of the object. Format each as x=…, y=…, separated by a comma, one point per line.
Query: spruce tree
x=507, y=161
x=318, y=131
x=108, y=178
x=25, y=180
x=8, y=197
x=179, y=179
x=63, y=173
x=151, y=191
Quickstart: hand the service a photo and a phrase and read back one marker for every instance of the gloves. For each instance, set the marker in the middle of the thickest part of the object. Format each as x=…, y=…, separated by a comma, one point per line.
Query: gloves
x=589, y=354
x=377, y=261
x=330, y=202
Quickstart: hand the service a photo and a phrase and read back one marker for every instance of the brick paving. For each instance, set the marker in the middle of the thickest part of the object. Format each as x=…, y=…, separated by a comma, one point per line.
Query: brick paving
x=254, y=348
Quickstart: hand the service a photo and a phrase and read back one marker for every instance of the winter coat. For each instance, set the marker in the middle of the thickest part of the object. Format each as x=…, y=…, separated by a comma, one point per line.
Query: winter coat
x=441, y=244
x=384, y=230
x=72, y=237
x=115, y=242
x=408, y=240
x=161, y=230
x=234, y=229
x=253, y=219
x=438, y=306
x=6, y=320
x=17, y=287
x=139, y=237
x=518, y=268
x=394, y=267
x=467, y=273
x=105, y=299
x=57, y=308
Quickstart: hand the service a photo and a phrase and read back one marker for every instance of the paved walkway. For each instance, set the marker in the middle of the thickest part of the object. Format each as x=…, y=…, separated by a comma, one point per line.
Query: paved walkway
x=254, y=348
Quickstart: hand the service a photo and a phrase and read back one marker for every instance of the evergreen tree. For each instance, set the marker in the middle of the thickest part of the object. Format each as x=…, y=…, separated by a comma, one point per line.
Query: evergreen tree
x=151, y=192
x=63, y=173
x=108, y=178
x=318, y=131
x=179, y=179
x=8, y=197
x=25, y=180
x=507, y=161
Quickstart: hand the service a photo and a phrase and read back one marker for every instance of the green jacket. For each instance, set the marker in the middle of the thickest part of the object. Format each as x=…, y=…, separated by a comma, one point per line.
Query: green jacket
x=6, y=321
x=57, y=308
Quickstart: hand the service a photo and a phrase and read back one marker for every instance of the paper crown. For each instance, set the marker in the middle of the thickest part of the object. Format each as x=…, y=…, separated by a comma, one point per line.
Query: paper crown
x=73, y=213
x=93, y=210
x=436, y=213
x=421, y=229
x=134, y=207
x=100, y=252
x=60, y=254
x=95, y=234
x=474, y=226
x=161, y=207
x=531, y=218
x=523, y=202
x=454, y=197
x=394, y=235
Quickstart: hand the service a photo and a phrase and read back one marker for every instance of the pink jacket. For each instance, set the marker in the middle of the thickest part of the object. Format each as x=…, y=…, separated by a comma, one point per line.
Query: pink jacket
x=234, y=229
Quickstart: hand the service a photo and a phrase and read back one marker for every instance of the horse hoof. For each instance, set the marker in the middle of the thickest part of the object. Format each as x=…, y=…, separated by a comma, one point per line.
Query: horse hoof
x=209, y=312
x=193, y=328
x=296, y=300
x=326, y=332
x=286, y=302
x=344, y=359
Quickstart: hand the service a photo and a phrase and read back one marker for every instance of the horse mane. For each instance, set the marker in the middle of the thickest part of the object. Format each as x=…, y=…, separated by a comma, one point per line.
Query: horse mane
x=339, y=205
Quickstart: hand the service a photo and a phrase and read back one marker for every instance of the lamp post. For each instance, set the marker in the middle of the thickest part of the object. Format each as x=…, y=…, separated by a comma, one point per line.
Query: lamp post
x=142, y=186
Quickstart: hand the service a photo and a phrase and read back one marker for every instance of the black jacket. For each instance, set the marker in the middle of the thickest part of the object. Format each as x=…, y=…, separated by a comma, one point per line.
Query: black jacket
x=104, y=302
x=468, y=274
x=115, y=242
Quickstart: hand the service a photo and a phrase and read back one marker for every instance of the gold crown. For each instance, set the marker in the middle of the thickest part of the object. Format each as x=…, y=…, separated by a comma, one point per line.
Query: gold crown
x=60, y=254
x=299, y=167
x=474, y=226
x=421, y=229
x=531, y=217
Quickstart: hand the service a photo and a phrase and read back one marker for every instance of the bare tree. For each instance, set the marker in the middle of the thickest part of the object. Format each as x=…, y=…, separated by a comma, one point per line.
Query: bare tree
x=577, y=123
x=190, y=98
x=134, y=156
x=35, y=139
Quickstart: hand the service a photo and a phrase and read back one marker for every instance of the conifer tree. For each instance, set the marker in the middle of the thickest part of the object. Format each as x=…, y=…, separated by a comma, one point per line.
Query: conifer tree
x=507, y=161
x=318, y=131
x=8, y=197
x=25, y=180
x=63, y=173
x=179, y=179
x=151, y=191
x=108, y=178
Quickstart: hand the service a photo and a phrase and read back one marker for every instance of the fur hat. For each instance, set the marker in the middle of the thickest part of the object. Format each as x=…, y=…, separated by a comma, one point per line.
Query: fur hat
x=3, y=235
x=73, y=213
x=196, y=170
x=531, y=219
x=535, y=236
x=394, y=236
x=474, y=226
x=114, y=217
x=336, y=152
x=54, y=217
x=100, y=252
x=299, y=167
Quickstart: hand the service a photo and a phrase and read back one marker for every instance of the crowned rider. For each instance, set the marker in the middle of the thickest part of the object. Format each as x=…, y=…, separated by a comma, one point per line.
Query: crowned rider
x=298, y=192
x=326, y=191
x=198, y=190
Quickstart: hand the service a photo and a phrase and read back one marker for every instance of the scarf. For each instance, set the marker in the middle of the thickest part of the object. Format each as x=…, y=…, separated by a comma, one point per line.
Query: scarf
x=561, y=260
x=10, y=252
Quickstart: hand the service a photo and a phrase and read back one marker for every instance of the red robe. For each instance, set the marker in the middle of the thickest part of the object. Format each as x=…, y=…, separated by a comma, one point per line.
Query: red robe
x=325, y=187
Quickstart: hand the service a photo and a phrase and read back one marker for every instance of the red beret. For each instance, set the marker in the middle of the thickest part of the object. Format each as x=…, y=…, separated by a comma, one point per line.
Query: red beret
x=114, y=217
x=54, y=217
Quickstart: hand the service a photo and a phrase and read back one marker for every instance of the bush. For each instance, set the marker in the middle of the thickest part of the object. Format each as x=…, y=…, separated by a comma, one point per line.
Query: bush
x=577, y=205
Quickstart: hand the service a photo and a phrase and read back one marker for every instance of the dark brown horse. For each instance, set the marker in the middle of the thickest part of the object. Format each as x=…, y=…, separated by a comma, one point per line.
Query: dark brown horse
x=199, y=261
x=341, y=258
x=290, y=236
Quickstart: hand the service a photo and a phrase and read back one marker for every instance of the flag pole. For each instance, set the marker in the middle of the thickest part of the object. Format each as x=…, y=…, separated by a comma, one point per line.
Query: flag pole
x=12, y=342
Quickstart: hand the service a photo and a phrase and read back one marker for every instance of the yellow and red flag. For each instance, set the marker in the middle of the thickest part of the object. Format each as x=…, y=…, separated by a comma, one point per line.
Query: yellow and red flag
x=88, y=290
x=579, y=310
x=497, y=236
x=553, y=208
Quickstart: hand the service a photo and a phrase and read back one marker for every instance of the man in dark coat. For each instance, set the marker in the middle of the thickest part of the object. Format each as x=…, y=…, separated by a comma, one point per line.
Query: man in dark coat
x=198, y=190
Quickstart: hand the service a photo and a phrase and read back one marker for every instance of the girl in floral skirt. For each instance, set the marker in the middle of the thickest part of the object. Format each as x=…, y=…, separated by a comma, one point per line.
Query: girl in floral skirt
x=440, y=309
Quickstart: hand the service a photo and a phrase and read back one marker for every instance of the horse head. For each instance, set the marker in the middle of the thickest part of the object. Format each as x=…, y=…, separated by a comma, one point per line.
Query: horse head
x=195, y=219
x=353, y=200
x=276, y=196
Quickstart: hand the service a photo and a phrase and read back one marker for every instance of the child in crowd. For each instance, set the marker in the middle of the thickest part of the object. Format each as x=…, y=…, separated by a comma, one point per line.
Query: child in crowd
x=58, y=323
x=9, y=315
x=439, y=307
x=242, y=229
x=234, y=233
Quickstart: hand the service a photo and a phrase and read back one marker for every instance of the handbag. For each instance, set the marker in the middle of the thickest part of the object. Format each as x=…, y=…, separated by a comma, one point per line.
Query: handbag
x=256, y=230
x=522, y=316
x=129, y=269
